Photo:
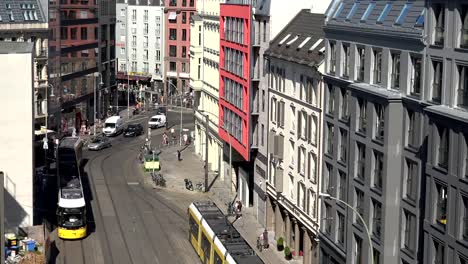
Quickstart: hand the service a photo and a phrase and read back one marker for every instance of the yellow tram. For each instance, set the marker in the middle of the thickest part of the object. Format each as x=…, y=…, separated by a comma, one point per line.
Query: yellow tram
x=215, y=239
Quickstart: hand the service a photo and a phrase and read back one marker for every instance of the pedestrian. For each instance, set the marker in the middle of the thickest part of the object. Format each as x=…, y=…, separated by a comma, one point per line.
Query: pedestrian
x=185, y=139
x=178, y=155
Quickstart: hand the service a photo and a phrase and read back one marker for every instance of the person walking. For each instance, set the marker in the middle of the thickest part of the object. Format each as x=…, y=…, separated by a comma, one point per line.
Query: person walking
x=178, y=155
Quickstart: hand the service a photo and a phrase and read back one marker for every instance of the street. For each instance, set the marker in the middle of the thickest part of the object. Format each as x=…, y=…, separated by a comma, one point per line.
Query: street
x=128, y=221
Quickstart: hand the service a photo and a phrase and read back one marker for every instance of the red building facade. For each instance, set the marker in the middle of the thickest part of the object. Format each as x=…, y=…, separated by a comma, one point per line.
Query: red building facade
x=177, y=45
x=234, y=83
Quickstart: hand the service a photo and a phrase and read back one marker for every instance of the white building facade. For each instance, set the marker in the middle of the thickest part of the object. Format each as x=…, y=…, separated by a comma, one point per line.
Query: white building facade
x=295, y=57
x=17, y=158
x=139, y=36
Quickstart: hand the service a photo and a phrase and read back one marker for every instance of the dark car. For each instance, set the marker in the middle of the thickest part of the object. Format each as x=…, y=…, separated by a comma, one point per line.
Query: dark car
x=133, y=130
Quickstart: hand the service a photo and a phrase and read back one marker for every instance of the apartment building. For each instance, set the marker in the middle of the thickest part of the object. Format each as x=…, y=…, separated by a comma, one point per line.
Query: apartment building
x=17, y=158
x=81, y=53
x=177, y=46
x=296, y=59
x=27, y=22
x=444, y=97
x=139, y=49
x=204, y=80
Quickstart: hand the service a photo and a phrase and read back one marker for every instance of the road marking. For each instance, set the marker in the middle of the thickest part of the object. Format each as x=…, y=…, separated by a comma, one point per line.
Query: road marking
x=133, y=183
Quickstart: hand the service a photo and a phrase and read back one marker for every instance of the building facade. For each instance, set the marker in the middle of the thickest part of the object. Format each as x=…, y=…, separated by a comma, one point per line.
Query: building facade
x=81, y=53
x=139, y=49
x=177, y=46
x=296, y=60
x=17, y=164
x=204, y=81
x=27, y=22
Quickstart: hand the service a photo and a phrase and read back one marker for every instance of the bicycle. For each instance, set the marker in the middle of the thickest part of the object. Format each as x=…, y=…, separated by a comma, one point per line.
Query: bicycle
x=200, y=187
x=158, y=179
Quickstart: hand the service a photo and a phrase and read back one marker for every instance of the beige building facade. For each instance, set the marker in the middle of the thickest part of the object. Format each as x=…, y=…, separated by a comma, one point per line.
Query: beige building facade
x=204, y=80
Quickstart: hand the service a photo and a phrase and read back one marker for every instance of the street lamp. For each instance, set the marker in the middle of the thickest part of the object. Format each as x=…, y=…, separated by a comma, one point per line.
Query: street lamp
x=371, y=249
x=100, y=85
x=206, y=149
x=180, y=132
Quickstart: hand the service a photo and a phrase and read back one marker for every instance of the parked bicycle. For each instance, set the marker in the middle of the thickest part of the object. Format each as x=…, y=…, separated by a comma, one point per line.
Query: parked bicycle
x=158, y=179
x=200, y=187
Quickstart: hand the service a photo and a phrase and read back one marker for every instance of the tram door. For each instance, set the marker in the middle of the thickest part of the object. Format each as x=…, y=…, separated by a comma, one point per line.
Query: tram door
x=206, y=248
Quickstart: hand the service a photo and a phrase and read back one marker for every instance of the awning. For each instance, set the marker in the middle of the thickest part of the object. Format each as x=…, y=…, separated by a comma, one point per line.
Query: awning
x=172, y=16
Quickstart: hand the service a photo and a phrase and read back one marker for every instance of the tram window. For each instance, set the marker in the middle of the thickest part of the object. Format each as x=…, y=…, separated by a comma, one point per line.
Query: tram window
x=205, y=245
x=217, y=259
x=71, y=218
x=193, y=227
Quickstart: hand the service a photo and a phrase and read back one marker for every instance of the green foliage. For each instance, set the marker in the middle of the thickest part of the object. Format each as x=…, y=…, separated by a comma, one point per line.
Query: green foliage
x=280, y=241
x=287, y=251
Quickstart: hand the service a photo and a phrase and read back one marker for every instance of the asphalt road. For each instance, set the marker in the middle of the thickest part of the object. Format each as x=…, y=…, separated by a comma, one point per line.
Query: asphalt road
x=130, y=222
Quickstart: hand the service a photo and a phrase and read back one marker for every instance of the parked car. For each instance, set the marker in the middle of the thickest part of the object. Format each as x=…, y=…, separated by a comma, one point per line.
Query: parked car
x=133, y=130
x=99, y=143
x=157, y=121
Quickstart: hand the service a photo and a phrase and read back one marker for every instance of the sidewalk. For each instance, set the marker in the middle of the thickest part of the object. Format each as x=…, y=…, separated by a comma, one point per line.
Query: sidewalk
x=191, y=167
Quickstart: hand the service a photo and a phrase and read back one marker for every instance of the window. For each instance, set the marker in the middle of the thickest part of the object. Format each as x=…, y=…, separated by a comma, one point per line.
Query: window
x=376, y=219
x=193, y=227
x=172, y=66
x=343, y=145
x=73, y=33
x=379, y=122
x=273, y=110
x=439, y=24
x=464, y=26
x=378, y=170
x=184, y=68
x=352, y=11
x=328, y=219
x=184, y=34
x=332, y=57
x=359, y=205
x=280, y=111
x=173, y=34
x=384, y=13
x=184, y=51
x=84, y=33
x=173, y=51
x=331, y=99
x=415, y=88
x=462, y=91
x=342, y=186
x=262, y=135
x=464, y=222
x=291, y=154
x=192, y=3
x=439, y=252
x=361, y=61
x=313, y=121
x=443, y=147
x=341, y=229
x=301, y=160
x=362, y=105
x=411, y=180
x=327, y=178
x=441, y=204
x=330, y=138
x=344, y=111
x=465, y=159
x=409, y=231
x=360, y=161
x=184, y=17
x=377, y=66
x=437, y=69
x=312, y=208
x=401, y=18
x=312, y=167
x=134, y=14
x=368, y=11
x=412, y=139
x=395, y=77
x=173, y=2
x=158, y=55
x=345, y=61
x=357, y=250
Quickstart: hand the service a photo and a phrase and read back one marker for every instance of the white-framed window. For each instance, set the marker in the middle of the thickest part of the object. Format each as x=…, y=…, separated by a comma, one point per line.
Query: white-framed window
x=312, y=160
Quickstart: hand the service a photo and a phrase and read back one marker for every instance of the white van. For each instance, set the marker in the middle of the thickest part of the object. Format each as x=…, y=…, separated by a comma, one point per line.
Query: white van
x=157, y=121
x=113, y=126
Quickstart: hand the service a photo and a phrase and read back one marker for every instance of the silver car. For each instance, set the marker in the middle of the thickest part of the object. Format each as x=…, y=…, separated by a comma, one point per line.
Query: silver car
x=99, y=143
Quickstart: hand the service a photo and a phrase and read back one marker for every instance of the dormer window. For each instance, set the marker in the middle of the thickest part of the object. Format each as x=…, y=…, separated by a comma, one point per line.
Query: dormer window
x=439, y=24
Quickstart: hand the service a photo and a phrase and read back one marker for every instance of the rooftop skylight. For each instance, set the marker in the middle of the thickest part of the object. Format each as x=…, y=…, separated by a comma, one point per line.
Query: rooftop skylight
x=384, y=13
x=352, y=11
x=292, y=40
x=368, y=11
x=284, y=39
x=338, y=10
x=404, y=12
x=316, y=44
x=303, y=43
x=420, y=19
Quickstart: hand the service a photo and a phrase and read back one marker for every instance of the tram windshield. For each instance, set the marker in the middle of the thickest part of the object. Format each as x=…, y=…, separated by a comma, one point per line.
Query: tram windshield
x=71, y=217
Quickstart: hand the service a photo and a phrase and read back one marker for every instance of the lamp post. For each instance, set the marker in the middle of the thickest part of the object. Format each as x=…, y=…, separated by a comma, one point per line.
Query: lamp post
x=46, y=146
x=95, y=114
x=180, y=132
x=206, y=149
x=371, y=249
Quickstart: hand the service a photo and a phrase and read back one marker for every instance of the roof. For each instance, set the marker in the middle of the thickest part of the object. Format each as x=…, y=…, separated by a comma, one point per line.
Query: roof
x=112, y=119
x=25, y=11
x=9, y=47
x=301, y=40
x=70, y=142
x=400, y=15
x=141, y=2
